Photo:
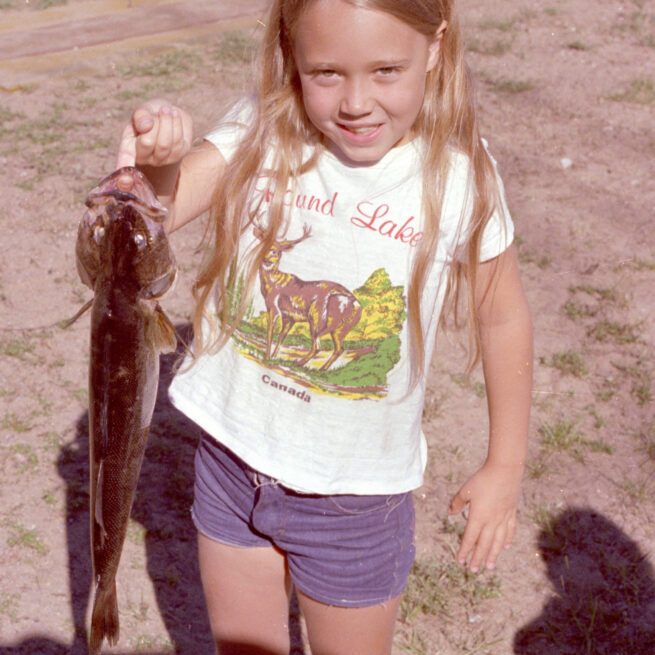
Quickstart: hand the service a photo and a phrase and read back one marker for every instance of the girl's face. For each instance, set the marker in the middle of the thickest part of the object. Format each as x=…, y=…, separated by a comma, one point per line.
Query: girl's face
x=362, y=73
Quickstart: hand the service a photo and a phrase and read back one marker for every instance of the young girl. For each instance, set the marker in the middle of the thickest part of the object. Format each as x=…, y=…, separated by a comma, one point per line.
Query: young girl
x=351, y=199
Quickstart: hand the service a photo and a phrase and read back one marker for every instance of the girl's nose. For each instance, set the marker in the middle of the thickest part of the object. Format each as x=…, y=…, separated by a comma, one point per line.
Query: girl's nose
x=357, y=99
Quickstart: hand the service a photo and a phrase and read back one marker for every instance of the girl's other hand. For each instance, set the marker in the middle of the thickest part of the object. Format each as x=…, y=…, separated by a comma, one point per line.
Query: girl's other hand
x=492, y=497
x=158, y=134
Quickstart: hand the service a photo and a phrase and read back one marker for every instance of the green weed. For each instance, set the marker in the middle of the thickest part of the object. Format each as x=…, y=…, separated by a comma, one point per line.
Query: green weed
x=640, y=91
x=25, y=457
x=575, y=310
x=610, y=331
x=17, y=347
x=165, y=65
x=44, y=4
x=501, y=25
x=25, y=538
x=641, y=388
x=527, y=256
x=578, y=45
x=638, y=490
x=9, y=606
x=559, y=436
x=600, y=293
x=563, y=436
x=606, y=391
x=14, y=423
x=82, y=395
x=495, y=48
x=646, y=438
x=49, y=498
x=569, y=363
x=512, y=86
x=235, y=48
x=599, y=421
x=538, y=466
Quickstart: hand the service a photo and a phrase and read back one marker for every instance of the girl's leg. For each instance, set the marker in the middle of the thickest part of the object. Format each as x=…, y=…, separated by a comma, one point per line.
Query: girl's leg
x=349, y=630
x=247, y=593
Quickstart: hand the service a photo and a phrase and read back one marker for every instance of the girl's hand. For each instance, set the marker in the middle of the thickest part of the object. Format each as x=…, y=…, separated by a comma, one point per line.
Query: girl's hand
x=492, y=496
x=158, y=134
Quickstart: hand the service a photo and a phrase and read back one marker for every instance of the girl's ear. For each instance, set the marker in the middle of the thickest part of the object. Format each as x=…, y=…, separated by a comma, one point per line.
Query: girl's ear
x=434, y=47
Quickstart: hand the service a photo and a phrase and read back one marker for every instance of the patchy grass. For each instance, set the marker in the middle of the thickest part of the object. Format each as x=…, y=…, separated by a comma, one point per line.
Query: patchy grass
x=165, y=65
x=563, y=436
x=432, y=586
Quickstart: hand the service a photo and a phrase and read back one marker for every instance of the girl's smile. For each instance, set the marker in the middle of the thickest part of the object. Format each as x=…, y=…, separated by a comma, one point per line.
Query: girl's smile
x=362, y=74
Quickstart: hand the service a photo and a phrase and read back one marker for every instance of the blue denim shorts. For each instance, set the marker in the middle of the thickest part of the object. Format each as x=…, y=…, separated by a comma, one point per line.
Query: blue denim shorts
x=344, y=550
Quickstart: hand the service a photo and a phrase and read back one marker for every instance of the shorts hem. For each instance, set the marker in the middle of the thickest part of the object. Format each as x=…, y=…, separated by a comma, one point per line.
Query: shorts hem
x=345, y=602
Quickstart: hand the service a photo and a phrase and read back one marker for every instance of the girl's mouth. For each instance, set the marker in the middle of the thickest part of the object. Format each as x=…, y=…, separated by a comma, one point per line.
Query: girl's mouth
x=360, y=134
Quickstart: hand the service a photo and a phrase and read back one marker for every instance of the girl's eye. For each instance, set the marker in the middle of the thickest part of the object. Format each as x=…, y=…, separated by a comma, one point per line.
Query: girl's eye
x=387, y=71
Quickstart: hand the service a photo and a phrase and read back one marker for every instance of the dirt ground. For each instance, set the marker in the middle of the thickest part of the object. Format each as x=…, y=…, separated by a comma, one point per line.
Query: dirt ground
x=567, y=94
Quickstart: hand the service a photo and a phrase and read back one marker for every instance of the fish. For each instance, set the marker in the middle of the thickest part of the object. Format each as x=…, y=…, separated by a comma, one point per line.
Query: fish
x=123, y=255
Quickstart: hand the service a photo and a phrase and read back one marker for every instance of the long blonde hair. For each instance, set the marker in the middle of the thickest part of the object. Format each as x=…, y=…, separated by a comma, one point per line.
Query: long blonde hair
x=447, y=121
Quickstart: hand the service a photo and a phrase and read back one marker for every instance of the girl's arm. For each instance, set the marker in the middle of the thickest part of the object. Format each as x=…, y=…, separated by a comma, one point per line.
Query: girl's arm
x=158, y=141
x=505, y=331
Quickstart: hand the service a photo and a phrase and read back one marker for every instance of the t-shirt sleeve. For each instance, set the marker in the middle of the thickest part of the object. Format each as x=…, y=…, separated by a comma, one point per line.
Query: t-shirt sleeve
x=227, y=135
x=499, y=231
x=457, y=207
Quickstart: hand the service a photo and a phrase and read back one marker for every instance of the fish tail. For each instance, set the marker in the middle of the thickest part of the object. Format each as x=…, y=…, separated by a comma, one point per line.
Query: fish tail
x=104, y=620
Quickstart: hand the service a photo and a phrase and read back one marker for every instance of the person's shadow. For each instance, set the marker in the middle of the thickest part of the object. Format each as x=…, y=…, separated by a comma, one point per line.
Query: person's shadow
x=604, y=591
x=162, y=506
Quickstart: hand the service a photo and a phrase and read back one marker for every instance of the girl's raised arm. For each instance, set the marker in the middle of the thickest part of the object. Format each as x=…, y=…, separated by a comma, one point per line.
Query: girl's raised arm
x=506, y=340
x=158, y=141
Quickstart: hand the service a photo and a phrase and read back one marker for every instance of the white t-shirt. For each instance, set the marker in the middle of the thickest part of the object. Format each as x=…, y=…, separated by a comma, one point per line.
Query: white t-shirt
x=326, y=425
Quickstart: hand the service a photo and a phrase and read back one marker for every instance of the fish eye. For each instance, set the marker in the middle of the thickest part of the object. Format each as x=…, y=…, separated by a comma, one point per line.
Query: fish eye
x=98, y=233
x=140, y=240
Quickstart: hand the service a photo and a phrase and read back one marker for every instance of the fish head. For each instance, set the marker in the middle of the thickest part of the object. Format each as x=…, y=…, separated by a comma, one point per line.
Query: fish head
x=121, y=238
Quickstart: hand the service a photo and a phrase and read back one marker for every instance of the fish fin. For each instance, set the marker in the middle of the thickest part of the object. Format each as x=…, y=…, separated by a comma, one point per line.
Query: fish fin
x=104, y=619
x=164, y=335
x=68, y=322
x=97, y=510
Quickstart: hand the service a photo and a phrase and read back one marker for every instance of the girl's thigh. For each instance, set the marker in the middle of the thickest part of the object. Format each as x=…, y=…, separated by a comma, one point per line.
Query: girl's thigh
x=349, y=630
x=247, y=594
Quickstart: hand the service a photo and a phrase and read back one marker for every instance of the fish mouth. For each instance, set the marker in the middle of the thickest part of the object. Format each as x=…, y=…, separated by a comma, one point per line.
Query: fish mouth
x=142, y=196
x=159, y=286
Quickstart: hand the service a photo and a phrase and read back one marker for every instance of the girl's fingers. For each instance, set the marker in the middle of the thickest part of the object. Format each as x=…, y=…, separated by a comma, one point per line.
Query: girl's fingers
x=482, y=547
x=498, y=543
x=469, y=539
x=126, y=148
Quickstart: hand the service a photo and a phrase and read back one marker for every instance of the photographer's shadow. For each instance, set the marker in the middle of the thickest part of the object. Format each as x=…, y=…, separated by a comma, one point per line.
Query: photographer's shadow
x=162, y=503
x=604, y=591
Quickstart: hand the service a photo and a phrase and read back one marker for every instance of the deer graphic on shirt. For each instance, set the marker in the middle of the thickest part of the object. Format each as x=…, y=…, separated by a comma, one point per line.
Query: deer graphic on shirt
x=327, y=307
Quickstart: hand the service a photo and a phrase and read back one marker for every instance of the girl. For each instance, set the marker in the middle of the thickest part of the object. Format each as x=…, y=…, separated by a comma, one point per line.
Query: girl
x=351, y=199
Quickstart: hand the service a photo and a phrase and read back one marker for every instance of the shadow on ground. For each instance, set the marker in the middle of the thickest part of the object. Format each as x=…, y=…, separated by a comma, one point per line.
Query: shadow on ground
x=603, y=591
x=162, y=506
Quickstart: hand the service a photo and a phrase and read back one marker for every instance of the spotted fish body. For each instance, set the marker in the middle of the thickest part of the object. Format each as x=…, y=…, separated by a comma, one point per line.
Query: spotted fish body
x=124, y=256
